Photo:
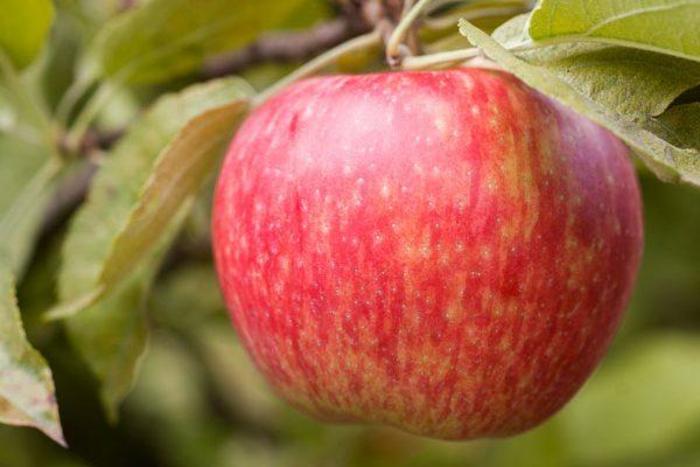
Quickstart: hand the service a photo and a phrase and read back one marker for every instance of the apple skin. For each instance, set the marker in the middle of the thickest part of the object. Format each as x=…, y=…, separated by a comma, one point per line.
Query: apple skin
x=446, y=252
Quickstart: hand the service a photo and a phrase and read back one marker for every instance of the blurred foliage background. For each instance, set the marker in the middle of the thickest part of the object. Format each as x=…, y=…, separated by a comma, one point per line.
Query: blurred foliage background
x=198, y=401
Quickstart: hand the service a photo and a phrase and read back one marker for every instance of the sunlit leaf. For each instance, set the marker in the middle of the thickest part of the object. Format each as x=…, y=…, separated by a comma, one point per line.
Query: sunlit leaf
x=26, y=386
x=667, y=26
x=666, y=159
x=633, y=83
x=24, y=25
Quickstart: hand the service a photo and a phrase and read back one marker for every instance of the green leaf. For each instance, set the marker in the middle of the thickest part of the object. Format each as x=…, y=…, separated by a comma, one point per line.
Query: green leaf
x=681, y=124
x=27, y=395
x=513, y=33
x=111, y=335
x=173, y=395
x=187, y=297
x=27, y=179
x=669, y=161
x=176, y=177
x=235, y=378
x=24, y=25
x=666, y=26
x=633, y=83
x=167, y=38
x=142, y=185
x=641, y=405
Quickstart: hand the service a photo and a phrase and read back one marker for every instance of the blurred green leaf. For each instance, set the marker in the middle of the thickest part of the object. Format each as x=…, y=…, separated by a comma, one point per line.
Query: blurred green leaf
x=162, y=39
x=26, y=178
x=93, y=13
x=26, y=386
x=133, y=174
x=666, y=159
x=24, y=25
x=187, y=297
x=111, y=338
x=112, y=335
x=124, y=107
x=306, y=13
x=545, y=446
x=176, y=177
x=633, y=83
x=237, y=381
x=640, y=405
x=63, y=52
x=667, y=26
x=171, y=398
x=26, y=448
x=170, y=364
x=439, y=30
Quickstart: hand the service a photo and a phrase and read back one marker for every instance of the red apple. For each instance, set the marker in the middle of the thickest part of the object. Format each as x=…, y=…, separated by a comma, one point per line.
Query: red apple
x=447, y=252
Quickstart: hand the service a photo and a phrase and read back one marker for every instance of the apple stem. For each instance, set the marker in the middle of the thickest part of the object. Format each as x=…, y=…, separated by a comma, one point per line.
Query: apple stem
x=394, y=50
x=439, y=60
x=322, y=61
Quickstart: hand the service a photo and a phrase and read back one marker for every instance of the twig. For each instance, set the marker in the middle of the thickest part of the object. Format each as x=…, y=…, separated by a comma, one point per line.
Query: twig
x=73, y=188
x=394, y=47
x=92, y=141
x=68, y=197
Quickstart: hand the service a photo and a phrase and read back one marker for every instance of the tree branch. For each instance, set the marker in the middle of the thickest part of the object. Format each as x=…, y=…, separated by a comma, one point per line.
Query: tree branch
x=285, y=47
x=70, y=193
x=72, y=190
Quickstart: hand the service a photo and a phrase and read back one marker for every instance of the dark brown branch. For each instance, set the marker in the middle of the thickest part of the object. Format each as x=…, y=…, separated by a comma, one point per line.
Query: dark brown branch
x=91, y=142
x=68, y=196
x=73, y=188
x=285, y=47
